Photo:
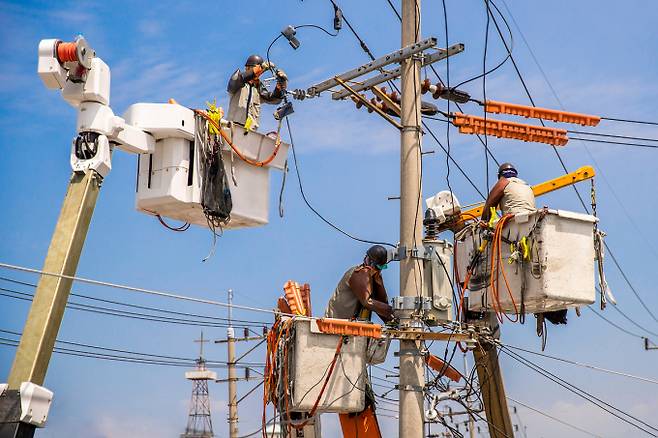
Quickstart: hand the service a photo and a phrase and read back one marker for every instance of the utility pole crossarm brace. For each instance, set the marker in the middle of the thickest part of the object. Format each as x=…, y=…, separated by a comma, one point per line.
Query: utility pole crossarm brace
x=394, y=74
x=377, y=64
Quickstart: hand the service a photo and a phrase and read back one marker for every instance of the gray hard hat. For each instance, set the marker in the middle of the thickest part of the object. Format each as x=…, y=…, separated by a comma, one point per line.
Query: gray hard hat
x=378, y=254
x=253, y=60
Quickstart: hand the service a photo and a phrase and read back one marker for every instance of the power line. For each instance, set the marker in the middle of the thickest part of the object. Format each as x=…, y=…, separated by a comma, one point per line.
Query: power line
x=614, y=324
x=564, y=167
x=621, y=143
x=221, y=322
x=582, y=393
x=572, y=362
x=553, y=418
x=602, y=134
x=308, y=204
x=139, y=289
x=629, y=121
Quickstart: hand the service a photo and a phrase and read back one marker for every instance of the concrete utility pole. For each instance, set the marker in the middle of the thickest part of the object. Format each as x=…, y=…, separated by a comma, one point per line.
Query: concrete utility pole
x=232, y=377
x=47, y=309
x=412, y=377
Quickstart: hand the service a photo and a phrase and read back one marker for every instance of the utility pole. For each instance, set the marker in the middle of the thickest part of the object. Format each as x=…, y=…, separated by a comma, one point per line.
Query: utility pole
x=232, y=377
x=412, y=376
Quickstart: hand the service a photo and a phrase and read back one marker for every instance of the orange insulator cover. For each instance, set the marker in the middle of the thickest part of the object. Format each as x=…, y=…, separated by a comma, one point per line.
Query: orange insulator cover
x=439, y=365
x=362, y=425
x=519, y=131
x=283, y=306
x=491, y=106
x=294, y=297
x=349, y=328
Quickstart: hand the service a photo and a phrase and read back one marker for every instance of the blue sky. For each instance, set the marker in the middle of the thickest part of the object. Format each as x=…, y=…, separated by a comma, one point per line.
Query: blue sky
x=597, y=55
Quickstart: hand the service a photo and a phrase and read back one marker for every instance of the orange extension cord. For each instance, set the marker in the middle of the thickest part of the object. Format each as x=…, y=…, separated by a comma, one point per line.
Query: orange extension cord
x=225, y=136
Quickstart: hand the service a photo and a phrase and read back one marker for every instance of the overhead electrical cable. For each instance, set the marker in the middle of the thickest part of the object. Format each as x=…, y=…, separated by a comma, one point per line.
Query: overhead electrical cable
x=127, y=314
x=553, y=418
x=136, y=306
x=564, y=167
x=584, y=365
x=139, y=289
x=620, y=414
x=614, y=324
x=308, y=204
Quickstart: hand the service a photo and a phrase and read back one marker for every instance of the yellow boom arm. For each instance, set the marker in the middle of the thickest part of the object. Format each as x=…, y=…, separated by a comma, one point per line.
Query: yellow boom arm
x=582, y=174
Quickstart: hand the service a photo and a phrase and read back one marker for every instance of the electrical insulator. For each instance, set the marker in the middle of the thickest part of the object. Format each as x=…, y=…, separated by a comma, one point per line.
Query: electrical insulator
x=425, y=86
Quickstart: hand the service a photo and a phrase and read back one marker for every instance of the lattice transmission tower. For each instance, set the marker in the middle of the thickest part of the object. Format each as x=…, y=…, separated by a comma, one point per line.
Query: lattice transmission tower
x=199, y=423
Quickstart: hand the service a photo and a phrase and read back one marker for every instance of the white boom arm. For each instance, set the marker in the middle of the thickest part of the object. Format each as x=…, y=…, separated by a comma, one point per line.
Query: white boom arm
x=85, y=83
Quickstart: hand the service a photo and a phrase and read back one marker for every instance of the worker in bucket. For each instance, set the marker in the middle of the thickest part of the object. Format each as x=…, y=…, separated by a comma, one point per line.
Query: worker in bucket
x=511, y=194
x=361, y=290
x=246, y=91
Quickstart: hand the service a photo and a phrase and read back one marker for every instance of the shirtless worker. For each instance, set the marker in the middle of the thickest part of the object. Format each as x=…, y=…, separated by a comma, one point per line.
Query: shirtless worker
x=361, y=290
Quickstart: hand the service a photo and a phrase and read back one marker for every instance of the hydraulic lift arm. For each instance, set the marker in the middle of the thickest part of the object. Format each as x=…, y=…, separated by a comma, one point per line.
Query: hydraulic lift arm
x=582, y=174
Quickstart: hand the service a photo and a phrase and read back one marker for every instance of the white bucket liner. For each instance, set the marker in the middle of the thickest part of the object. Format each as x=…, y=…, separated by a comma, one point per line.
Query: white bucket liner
x=169, y=180
x=559, y=274
x=311, y=358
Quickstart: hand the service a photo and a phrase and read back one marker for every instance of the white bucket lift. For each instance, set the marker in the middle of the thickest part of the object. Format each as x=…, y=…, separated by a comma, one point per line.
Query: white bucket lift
x=169, y=182
x=558, y=274
x=313, y=352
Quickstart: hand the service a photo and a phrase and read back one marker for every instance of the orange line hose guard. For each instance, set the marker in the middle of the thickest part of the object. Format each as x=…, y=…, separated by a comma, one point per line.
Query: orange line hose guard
x=349, y=328
x=67, y=52
x=492, y=106
x=519, y=131
x=294, y=297
x=226, y=138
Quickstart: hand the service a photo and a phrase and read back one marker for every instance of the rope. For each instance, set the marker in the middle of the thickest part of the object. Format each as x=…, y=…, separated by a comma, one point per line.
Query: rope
x=237, y=151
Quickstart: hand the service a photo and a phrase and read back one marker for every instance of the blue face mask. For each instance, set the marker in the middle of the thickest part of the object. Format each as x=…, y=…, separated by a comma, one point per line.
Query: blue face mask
x=382, y=267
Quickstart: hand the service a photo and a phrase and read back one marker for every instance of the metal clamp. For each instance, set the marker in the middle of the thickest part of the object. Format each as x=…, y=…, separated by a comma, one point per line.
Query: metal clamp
x=414, y=388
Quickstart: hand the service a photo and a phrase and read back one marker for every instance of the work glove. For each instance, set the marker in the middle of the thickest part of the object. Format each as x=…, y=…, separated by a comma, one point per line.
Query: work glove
x=281, y=76
x=267, y=65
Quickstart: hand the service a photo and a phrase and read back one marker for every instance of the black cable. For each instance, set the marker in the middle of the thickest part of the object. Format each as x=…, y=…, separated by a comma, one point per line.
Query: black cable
x=301, y=189
x=600, y=134
x=501, y=63
x=136, y=306
x=614, y=325
x=361, y=42
x=317, y=27
x=564, y=167
x=639, y=145
x=633, y=321
x=460, y=109
x=580, y=392
x=445, y=23
x=629, y=121
x=125, y=314
x=484, y=94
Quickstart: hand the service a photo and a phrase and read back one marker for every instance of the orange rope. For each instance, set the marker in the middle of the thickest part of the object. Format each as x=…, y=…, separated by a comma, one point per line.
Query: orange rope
x=67, y=52
x=235, y=149
x=497, y=265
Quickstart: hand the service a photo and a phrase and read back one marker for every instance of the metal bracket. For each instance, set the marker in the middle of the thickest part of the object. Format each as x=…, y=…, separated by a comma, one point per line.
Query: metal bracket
x=377, y=64
x=413, y=388
x=437, y=56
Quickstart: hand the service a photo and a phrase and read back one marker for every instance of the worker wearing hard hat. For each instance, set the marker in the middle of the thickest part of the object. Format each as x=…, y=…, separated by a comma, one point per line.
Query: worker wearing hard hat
x=246, y=92
x=361, y=290
x=511, y=194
